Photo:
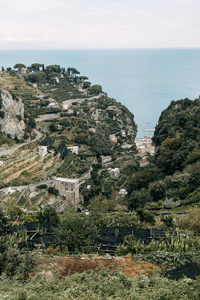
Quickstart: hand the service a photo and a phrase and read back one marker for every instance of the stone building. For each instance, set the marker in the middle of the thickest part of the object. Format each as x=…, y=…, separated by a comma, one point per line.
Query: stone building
x=68, y=189
x=42, y=151
x=105, y=159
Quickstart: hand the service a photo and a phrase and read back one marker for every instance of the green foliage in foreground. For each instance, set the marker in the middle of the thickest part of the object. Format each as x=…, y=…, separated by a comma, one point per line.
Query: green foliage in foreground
x=174, y=250
x=168, y=258
x=180, y=244
x=12, y=262
x=75, y=231
x=100, y=285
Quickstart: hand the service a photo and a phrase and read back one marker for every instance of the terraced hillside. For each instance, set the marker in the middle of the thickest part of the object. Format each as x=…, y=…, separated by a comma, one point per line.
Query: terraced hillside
x=25, y=165
x=16, y=84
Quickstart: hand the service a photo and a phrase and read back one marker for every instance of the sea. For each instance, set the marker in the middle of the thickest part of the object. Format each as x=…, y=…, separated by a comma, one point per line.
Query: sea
x=144, y=80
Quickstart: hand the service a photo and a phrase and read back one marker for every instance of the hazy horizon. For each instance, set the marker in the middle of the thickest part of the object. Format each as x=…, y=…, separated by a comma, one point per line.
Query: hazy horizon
x=111, y=24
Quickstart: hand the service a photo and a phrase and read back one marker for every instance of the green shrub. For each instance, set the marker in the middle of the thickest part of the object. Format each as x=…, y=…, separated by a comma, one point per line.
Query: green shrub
x=171, y=243
x=2, y=114
x=53, y=191
x=168, y=258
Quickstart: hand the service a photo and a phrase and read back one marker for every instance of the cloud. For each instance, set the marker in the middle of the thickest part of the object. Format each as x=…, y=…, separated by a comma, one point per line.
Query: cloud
x=98, y=24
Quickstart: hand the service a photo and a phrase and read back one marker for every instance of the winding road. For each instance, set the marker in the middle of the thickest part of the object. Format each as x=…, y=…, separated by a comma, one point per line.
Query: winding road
x=9, y=151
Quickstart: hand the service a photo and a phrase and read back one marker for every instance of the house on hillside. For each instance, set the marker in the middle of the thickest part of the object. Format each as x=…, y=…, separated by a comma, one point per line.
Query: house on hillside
x=73, y=149
x=123, y=192
x=114, y=173
x=105, y=159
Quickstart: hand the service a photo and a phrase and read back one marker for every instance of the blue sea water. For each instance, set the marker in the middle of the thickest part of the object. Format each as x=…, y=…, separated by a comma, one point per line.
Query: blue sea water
x=144, y=80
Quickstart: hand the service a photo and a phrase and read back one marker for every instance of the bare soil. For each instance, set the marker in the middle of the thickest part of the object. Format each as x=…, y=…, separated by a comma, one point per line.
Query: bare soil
x=66, y=266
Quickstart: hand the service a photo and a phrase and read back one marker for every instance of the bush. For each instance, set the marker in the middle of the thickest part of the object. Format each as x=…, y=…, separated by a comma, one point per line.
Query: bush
x=19, y=117
x=42, y=186
x=75, y=231
x=53, y=191
x=168, y=258
x=172, y=243
x=146, y=216
x=2, y=114
x=12, y=262
x=48, y=214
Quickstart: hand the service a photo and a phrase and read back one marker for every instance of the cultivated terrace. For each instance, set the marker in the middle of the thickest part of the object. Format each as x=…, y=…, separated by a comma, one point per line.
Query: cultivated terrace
x=82, y=212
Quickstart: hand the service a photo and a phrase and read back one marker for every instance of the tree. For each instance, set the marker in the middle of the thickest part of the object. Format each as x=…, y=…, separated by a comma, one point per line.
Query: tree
x=3, y=218
x=142, y=178
x=2, y=114
x=98, y=207
x=53, y=127
x=86, y=84
x=53, y=68
x=73, y=71
x=146, y=216
x=31, y=122
x=48, y=214
x=36, y=77
x=168, y=221
x=53, y=191
x=36, y=67
x=192, y=220
x=75, y=231
x=96, y=89
x=14, y=212
x=138, y=199
x=157, y=190
x=194, y=180
x=53, y=76
x=19, y=66
x=29, y=217
x=83, y=78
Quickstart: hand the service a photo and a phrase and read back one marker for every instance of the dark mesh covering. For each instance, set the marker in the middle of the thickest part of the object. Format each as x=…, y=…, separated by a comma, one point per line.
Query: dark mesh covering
x=47, y=226
x=113, y=237
x=16, y=228
x=190, y=270
x=44, y=241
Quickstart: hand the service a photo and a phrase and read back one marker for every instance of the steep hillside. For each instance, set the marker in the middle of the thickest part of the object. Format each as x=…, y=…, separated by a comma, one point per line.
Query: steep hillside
x=177, y=136
x=15, y=83
x=172, y=179
x=84, y=134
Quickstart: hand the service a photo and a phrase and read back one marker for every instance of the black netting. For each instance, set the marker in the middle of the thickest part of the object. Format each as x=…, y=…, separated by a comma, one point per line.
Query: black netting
x=190, y=270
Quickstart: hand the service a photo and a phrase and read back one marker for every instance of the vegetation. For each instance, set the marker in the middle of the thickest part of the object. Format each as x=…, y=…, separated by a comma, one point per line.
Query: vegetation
x=102, y=284
x=162, y=194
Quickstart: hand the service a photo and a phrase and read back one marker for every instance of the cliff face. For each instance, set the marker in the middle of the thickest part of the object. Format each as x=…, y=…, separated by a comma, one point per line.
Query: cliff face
x=12, y=115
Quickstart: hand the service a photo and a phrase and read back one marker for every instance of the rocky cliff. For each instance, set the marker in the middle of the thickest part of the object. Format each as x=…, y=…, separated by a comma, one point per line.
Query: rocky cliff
x=11, y=115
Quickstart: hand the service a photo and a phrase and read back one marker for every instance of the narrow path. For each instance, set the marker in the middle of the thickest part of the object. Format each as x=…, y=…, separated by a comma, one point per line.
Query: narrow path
x=10, y=150
x=68, y=102
x=79, y=100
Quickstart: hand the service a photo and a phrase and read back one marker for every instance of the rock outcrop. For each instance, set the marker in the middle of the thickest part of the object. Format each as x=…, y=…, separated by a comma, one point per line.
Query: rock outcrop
x=11, y=115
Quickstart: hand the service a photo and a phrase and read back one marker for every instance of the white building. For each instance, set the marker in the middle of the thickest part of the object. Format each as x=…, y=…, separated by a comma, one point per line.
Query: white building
x=65, y=106
x=73, y=149
x=123, y=192
x=92, y=130
x=114, y=173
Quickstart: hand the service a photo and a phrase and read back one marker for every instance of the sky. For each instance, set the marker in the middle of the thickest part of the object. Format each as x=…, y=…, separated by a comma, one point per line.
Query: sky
x=99, y=24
